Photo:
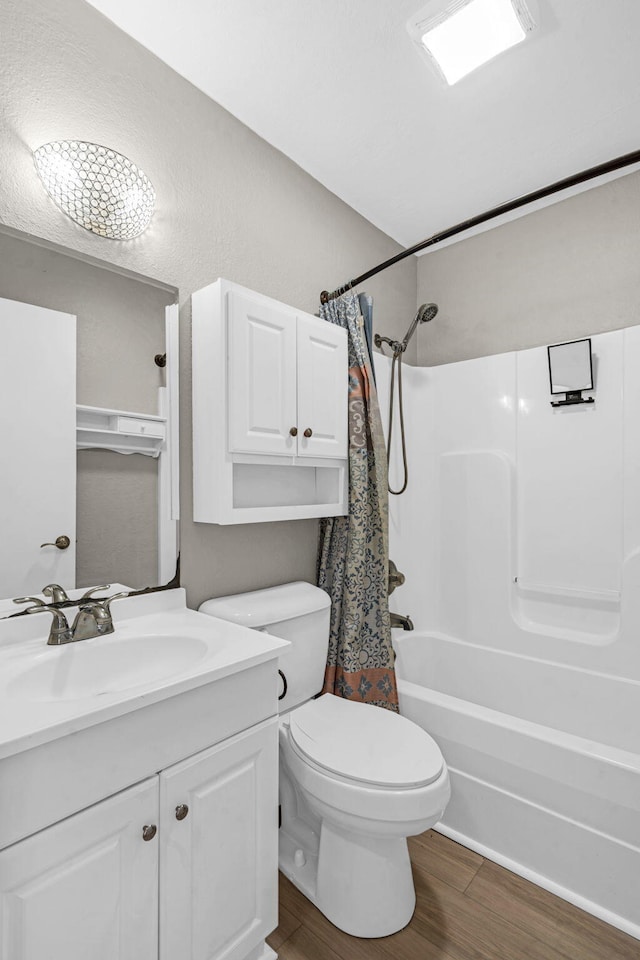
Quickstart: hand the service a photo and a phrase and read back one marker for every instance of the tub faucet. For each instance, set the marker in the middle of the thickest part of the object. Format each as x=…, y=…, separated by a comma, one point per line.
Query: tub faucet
x=397, y=620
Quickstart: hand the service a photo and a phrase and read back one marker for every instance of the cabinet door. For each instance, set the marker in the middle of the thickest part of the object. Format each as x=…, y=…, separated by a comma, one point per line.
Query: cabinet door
x=322, y=389
x=262, y=376
x=86, y=887
x=218, y=876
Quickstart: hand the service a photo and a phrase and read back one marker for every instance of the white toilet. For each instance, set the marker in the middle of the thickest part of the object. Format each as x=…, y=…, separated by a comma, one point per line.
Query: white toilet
x=355, y=780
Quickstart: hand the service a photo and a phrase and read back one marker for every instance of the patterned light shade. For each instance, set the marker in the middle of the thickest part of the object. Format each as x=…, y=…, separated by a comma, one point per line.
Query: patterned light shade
x=98, y=188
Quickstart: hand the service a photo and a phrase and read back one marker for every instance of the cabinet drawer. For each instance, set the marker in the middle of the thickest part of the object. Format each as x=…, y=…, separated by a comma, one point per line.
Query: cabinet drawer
x=135, y=425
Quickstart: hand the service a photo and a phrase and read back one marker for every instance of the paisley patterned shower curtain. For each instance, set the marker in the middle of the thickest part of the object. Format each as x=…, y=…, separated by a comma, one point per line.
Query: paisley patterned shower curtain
x=353, y=555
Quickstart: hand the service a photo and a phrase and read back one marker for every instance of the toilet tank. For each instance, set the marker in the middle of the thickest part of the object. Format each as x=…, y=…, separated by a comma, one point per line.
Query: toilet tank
x=298, y=612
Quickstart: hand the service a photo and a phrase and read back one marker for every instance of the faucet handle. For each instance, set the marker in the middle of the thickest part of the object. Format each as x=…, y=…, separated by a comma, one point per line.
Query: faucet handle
x=56, y=593
x=109, y=600
x=60, y=632
x=36, y=601
x=105, y=586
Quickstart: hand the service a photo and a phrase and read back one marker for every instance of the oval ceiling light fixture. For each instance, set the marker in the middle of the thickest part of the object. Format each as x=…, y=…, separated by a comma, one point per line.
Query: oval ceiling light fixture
x=97, y=187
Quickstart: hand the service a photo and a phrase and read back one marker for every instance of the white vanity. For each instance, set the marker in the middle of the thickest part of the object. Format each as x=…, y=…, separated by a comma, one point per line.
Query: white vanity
x=138, y=788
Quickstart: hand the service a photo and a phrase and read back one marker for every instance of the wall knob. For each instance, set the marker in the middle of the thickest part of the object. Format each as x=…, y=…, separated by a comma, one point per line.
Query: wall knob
x=149, y=831
x=293, y=432
x=181, y=811
x=308, y=432
x=61, y=543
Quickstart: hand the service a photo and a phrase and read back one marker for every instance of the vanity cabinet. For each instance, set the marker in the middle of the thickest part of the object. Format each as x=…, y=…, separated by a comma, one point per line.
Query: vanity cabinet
x=86, y=887
x=270, y=388
x=203, y=885
x=219, y=857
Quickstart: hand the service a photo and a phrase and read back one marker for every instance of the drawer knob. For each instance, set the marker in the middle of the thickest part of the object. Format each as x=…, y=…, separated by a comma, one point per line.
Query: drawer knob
x=149, y=831
x=181, y=811
x=308, y=432
x=293, y=432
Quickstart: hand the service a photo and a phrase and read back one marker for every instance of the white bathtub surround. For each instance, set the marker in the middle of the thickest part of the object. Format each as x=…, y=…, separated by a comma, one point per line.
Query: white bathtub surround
x=520, y=542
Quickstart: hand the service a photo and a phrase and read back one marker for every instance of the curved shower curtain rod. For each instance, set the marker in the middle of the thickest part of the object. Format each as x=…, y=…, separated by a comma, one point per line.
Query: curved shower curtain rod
x=627, y=160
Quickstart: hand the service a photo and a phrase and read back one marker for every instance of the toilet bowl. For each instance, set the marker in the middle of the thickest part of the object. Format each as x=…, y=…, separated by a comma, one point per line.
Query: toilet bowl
x=366, y=779
x=355, y=780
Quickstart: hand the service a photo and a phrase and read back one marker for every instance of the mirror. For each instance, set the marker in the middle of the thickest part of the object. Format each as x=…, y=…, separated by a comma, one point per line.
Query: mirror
x=121, y=324
x=570, y=366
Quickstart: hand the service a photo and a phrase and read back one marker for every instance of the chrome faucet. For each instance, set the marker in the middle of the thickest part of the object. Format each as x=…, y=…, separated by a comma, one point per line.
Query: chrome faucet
x=92, y=620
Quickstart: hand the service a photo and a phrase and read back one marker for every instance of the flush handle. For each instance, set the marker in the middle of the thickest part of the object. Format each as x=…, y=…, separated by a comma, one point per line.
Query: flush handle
x=181, y=811
x=149, y=831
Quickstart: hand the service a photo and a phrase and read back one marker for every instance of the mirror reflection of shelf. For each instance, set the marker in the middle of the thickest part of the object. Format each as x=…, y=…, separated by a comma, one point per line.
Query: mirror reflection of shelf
x=120, y=431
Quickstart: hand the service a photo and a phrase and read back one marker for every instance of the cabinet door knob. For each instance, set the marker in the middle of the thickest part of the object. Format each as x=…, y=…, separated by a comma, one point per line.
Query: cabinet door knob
x=149, y=831
x=181, y=811
x=293, y=432
x=308, y=432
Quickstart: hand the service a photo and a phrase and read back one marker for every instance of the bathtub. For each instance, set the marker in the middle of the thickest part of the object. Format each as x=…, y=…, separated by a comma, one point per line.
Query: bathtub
x=555, y=799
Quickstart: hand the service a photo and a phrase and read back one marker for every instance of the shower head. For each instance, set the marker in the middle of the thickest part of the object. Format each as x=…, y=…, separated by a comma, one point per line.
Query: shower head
x=425, y=313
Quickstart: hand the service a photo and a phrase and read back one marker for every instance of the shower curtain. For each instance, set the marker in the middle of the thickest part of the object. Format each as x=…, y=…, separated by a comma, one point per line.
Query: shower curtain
x=353, y=554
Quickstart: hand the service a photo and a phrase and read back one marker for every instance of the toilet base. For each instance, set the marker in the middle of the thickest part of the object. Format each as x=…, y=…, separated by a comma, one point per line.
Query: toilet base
x=363, y=885
x=366, y=886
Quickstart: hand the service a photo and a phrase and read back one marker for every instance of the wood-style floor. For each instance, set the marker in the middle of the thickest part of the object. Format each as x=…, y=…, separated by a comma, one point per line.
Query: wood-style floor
x=468, y=908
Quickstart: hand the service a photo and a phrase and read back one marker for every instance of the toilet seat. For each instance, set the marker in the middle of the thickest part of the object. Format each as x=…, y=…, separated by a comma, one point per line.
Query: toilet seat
x=362, y=743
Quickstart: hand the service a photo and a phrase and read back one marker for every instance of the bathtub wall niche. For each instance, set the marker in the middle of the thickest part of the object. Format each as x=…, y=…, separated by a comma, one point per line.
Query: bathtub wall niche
x=520, y=528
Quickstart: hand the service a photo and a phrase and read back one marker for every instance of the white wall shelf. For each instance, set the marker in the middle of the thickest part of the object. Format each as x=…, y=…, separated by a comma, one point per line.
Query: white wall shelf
x=120, y=431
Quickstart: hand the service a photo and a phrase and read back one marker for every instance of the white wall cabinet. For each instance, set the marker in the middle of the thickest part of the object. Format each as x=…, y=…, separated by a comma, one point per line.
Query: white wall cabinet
x=91, y=885
x=270, y=390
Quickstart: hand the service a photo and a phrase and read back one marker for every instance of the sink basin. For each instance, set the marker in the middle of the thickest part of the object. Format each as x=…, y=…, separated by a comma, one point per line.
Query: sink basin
x=106, y=665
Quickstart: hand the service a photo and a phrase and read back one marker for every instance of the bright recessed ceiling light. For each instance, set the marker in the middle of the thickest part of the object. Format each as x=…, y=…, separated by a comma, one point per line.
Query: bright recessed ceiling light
x=467, y=33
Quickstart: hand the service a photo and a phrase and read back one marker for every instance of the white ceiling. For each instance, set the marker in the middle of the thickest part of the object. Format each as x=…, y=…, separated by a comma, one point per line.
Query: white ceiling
x=338, y=86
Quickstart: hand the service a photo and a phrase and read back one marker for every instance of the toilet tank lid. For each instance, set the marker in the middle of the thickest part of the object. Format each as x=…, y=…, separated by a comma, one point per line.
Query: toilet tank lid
x=260, y=608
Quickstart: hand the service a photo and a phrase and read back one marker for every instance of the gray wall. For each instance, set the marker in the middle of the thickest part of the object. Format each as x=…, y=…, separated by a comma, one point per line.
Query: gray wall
x=228, y=205
x=120, y=328
x=557, y=274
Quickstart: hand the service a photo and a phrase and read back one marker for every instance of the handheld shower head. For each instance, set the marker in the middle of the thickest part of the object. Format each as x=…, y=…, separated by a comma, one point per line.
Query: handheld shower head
x=425, y=313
